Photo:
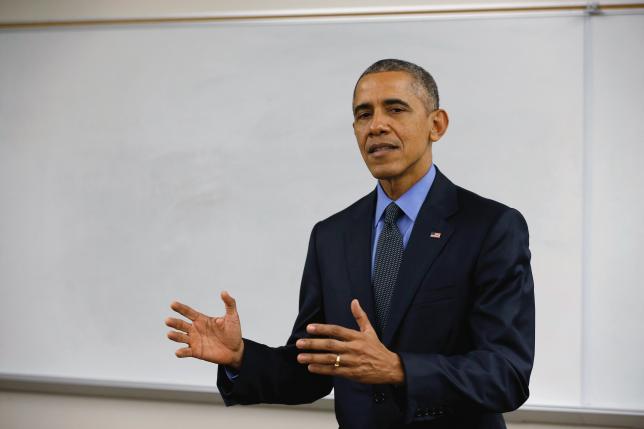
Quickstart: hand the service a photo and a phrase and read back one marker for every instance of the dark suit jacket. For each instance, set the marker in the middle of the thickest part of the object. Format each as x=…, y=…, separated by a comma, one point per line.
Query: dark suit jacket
x=461, y=318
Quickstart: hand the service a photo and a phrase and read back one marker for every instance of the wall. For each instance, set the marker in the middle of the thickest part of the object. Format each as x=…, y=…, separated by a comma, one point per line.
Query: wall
x=46, y=411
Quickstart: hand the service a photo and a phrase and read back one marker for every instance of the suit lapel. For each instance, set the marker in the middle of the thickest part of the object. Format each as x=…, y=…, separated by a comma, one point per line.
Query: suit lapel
x=358, y=252
x=423, y=248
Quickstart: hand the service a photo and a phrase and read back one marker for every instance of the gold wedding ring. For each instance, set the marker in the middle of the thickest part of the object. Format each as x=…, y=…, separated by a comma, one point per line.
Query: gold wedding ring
x=337, y=361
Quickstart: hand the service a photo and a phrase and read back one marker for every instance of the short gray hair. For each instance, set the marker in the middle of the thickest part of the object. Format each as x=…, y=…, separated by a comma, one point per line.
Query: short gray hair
x=423, y=80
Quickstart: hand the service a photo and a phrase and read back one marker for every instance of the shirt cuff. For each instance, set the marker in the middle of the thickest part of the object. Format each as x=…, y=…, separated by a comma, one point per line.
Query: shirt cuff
x=231, y=373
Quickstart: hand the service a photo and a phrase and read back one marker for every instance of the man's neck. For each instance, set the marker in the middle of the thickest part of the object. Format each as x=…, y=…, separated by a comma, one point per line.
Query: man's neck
x=395, y=187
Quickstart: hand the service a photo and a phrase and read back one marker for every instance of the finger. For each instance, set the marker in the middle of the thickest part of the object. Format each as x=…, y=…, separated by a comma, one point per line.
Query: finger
x=322, y=344
x=184, y=352
x=184, y=310
x=178, y=324
x=229, y=302
x=330, y=370
x=178, y=337
x=361, y=317
x=324, y=359
x=333, y=331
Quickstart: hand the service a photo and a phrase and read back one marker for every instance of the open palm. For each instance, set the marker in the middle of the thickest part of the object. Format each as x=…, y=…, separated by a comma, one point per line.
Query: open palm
x=213, y=339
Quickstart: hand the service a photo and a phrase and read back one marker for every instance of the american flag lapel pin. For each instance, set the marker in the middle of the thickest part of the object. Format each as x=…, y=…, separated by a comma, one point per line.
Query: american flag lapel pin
x=435, y=234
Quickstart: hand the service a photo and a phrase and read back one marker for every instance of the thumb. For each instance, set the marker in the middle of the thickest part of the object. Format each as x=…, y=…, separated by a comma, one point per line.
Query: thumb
x=360, y=316
x=229, y=302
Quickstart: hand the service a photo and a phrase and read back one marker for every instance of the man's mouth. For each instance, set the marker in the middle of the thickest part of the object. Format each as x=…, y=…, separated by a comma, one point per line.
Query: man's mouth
x=381, y=147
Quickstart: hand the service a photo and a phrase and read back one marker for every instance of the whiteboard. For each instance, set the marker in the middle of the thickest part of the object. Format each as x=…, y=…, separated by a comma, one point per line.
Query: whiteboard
x=614, y=320
x=139, y=165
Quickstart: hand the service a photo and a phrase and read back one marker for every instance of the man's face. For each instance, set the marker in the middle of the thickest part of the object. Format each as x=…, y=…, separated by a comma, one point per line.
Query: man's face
x=392, y=126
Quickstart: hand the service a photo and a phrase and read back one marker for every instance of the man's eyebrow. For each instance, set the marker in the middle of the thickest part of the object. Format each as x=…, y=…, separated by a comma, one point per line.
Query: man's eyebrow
x=361, y=106
x=391, y=101
x=386, y=102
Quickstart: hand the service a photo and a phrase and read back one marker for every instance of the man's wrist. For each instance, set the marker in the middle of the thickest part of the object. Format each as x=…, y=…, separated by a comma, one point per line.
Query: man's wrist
x=398, y=372
x=237, y=360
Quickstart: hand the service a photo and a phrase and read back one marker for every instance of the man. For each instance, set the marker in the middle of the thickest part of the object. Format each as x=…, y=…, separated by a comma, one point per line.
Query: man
x=416, y=302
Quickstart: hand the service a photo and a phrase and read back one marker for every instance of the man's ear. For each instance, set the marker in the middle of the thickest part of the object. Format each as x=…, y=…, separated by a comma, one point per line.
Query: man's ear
x=439, y=123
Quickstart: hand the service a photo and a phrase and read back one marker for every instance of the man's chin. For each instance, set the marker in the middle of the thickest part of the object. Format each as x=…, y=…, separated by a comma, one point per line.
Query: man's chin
x=381, y=173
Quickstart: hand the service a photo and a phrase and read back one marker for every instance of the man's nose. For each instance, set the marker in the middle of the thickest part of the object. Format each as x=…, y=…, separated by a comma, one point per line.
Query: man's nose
x=379, y=124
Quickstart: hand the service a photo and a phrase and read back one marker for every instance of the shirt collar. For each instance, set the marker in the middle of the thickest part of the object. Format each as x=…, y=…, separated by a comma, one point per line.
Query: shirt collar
x=410, y=201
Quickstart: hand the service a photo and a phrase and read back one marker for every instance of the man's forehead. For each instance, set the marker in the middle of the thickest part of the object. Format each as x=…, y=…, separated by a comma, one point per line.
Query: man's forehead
x=375, y=87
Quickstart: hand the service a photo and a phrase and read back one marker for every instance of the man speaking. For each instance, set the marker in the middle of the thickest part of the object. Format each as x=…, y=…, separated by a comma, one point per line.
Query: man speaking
x=416, y=302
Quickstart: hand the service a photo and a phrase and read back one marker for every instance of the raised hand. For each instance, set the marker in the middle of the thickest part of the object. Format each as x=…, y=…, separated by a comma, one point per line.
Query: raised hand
x=362, y=357
x=213, y=339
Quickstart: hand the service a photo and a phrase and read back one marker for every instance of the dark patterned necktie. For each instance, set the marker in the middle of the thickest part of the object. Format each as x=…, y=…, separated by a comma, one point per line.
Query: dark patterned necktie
x=388, y=257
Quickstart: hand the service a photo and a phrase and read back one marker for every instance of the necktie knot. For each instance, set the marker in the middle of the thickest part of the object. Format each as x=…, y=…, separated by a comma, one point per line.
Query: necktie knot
x=392, y=213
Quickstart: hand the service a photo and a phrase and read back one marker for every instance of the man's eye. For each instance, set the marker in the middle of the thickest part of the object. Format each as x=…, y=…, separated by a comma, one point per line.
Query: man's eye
x=396, y=110
x=363, y=115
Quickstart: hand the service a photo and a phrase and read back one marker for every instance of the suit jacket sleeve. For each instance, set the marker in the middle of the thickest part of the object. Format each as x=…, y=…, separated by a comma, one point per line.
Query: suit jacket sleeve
x=273, y=375
x=493, y=376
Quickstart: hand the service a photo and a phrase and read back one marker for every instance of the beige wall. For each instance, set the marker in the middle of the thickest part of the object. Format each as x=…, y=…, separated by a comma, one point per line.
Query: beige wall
x=32, y=410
